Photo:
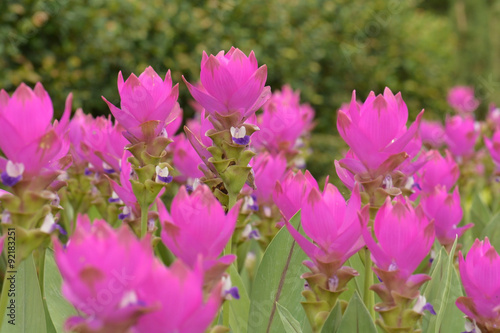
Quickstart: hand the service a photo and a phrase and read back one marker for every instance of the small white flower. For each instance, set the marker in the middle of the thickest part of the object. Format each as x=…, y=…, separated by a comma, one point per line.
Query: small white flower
x=14, y=170
x=130, y=297
x=48, y=224
x=238, y=132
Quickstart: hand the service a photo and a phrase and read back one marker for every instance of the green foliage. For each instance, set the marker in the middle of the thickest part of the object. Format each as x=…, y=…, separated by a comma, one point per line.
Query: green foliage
x=324, y=48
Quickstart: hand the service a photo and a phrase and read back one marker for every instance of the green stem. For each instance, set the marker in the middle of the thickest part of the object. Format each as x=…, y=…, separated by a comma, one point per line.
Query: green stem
x=368, y=295
x=41, y=266
x=144, y=220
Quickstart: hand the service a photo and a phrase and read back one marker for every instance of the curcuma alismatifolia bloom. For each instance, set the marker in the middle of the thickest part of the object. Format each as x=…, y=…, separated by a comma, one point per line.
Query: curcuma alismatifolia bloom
x=32, y=145
x=445, y=210
x=480, y=274
x=148, y=104
x=493, y=146
x=438, y=170
x=232, y=83
x=376, y=133
x=461, y=135
x=461, y=98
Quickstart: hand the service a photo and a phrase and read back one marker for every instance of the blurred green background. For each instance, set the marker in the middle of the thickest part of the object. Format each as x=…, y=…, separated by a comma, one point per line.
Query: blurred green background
x=324, y=48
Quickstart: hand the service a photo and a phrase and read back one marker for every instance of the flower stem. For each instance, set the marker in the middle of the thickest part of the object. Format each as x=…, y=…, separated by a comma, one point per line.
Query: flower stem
x=144, y=220
x=368, y=295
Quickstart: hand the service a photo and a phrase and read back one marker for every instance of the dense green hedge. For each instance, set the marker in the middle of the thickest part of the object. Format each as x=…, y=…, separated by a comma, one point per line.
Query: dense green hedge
x=324, y=48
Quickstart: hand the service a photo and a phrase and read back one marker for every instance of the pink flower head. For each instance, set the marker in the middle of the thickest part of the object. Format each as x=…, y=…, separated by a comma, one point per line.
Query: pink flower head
x=493, y=146
x=148, y=103
x=376, y=133
x=445, y=210
x=480, y=274
x=177, y=292
x=333, y=226
x=461, y=135
x=438, y=171
x=405, y=236
x=292, y=191
x=185, y=159
x=29, y=141
x=283, y=122
x=103, y=270
x=197, y=226
x=124, y=190
x=232, y=83
x=267, y=169
x=493, y=115
x=462, y=99
x=432, y=133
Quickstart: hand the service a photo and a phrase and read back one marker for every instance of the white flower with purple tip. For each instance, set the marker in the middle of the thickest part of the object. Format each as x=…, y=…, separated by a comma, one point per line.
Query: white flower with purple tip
x=240, y=136
x=13, y=173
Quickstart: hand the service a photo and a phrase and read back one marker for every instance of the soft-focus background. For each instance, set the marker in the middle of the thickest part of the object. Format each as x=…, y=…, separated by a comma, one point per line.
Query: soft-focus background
x=324, y=48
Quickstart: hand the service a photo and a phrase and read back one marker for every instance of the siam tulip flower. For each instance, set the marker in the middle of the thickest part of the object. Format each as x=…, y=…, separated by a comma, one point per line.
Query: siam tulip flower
x=282, y=123
x=461, y=135
x=103, y=271
x=432, y=133
x=171, y=127
x=198, y=226
x=148, y=103
x=493, y=116
x=479, y=273
x=290, y=193
x=29, y=141
x=267, y=169
x=493, y=146
x=124, y=191
x=185, y=159
x=445, y=210
x=177, y=292
x=233, y=84
x=462, y=99
x=438, y=170
x=333, y=226
x=377, y=135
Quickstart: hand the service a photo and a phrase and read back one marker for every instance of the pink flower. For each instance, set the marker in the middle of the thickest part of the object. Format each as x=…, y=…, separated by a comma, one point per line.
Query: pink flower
x=461, y=135
x=185, y=159
x=376, y=133
x=462, y=99
x=493, y=146
x=333, y=226
x=177, y=293
x=268, y=170
x=292, y=191
x=438, y=171
x=405, y=236
x=480, y=273
x=29, y=141
x=283, y=122
x=102, y=271
x=432, y=133
x=148, y=103
x=197, y=226
x=124, y=190
x=446, y=212
x=232, y=82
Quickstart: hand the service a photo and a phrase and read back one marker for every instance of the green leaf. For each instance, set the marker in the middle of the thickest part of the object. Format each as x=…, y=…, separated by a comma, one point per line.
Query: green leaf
x=59, y=308
x=278, y=280
x=356, y=284
x=290, y=324
x=29, y=311
x=480, y=214
x=442, y=292
x=332, y=323
x=356, y=318
x=240, y=308
x=492, y=231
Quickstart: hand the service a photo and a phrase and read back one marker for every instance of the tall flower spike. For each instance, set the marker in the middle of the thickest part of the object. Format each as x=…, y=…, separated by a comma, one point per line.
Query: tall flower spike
x=335, y=231
x=232, y=85
x=147, y=102
x=480, y=274
x=462, y=99
x=461, y=135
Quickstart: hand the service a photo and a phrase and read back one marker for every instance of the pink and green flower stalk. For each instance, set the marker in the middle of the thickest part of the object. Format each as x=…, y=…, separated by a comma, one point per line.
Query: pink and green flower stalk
x=148, y=105
x=493, y=146
x=461, y=136
x=185, y=160
x=103, y=272
x=198, y=226
x=462, y=100
x=335, y=232
x=480, y=272
x=284, y=124
x=432, y=133
x=401, y=238
x=445, y=210
x=35, y=153
x=234, y=88
x=379, y=140
x=268, y=170
x=179, y=300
